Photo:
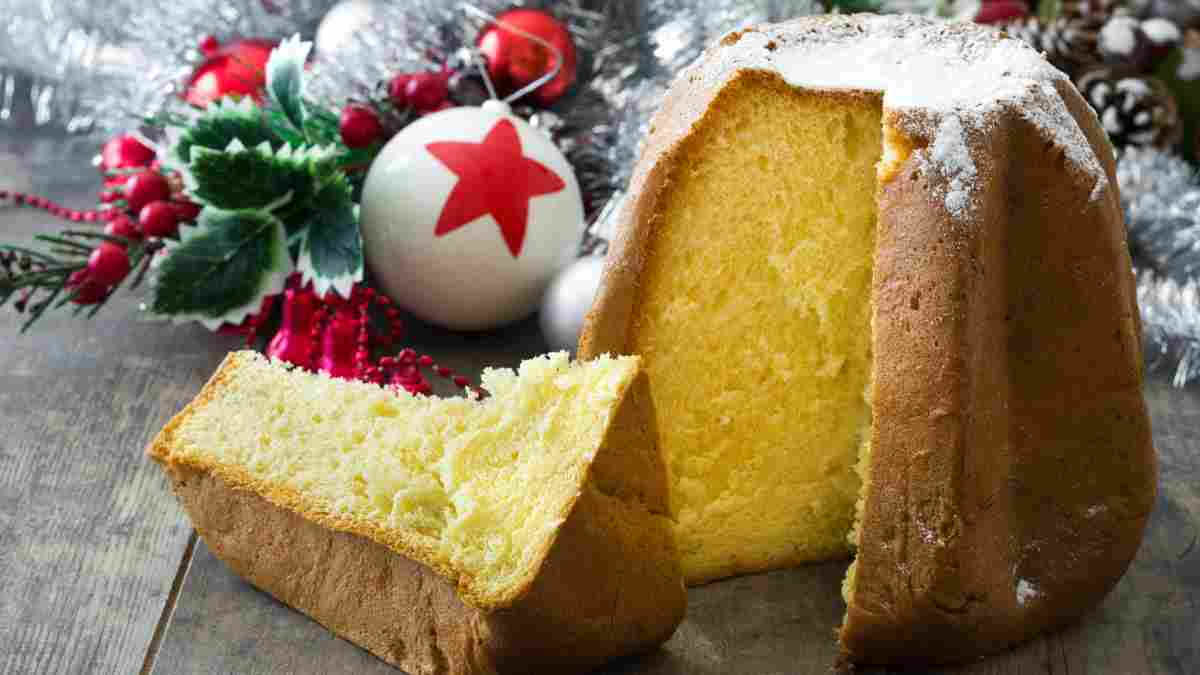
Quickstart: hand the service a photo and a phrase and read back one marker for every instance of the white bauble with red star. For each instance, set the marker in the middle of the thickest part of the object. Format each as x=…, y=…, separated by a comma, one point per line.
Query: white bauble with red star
x=466, y=216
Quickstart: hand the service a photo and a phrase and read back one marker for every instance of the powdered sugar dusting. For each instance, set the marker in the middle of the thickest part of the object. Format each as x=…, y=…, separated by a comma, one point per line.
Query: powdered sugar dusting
x=951, y=156
x=955, y=74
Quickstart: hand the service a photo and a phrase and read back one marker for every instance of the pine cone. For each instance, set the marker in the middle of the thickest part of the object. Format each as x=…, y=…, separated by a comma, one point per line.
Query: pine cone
x=1070, y=43
x=1135, y=110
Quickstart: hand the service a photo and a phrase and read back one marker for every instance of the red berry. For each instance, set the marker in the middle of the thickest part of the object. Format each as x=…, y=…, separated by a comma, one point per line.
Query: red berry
x=145, y=187
x=87, y=291
x=426, y=91
x=108, y=196
x=122, y=227
x=186, y=211
x=1001, y=11
x=359, y=126
x=108, y=264
x=209, y=44
x=159, y=219
x=444, y=105
x=123, y=152
x=397, y=90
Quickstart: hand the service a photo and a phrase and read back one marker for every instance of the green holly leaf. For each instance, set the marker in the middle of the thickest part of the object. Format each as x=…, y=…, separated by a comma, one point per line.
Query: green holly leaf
x=331, y=252
x=285, y=78
x=220, y=124
x=222, y=268
x=256, y=178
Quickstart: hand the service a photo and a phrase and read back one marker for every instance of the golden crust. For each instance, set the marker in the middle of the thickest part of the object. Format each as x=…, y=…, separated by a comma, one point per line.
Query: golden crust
x=609, y=579
x=1012, y=470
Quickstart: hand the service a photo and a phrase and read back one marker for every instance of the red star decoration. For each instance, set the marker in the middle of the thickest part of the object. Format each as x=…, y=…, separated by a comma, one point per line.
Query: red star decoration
x=493, y=178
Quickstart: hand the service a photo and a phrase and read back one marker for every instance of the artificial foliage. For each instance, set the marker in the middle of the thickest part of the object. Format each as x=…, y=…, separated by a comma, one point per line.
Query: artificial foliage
x=275, y=197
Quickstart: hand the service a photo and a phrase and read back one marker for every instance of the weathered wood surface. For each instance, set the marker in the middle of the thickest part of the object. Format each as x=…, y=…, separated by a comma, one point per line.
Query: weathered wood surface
x=92, y=543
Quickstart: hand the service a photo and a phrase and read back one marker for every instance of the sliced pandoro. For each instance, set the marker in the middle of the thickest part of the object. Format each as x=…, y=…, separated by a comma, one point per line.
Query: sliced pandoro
x=522, y=532
x=875, y=268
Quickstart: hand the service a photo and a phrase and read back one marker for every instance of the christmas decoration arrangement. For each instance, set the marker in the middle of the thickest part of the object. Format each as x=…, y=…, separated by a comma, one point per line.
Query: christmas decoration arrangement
x=324, y=149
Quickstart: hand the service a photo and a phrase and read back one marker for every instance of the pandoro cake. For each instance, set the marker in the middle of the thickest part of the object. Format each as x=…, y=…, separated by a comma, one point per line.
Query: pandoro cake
x=526, y=532
x=876, y=272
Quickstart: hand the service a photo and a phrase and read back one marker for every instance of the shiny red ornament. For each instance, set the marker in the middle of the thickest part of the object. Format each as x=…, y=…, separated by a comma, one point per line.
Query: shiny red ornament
x=124, y=152
x=145, y=187
x=338, y=343
x=1001, y=11
x=515, y=60
x=359, y=126
x=294, y=341
x=87, y=291
x=108, y=264
x=159, y=219
x=235, y=68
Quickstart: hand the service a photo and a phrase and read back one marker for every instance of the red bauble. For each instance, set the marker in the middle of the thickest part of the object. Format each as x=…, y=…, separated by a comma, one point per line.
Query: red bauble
x=159, y=219
x=122, y=227
x=123, y=152
x=359, y=126
x=294, y=341
x=87, y=291
x=237, y=67
x=515, y=60
x=108, y=264
x=145, y=187
x=1001, y=11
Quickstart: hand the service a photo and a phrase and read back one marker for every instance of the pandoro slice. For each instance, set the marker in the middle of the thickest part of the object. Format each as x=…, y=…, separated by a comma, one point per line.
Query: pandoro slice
x=523, y=532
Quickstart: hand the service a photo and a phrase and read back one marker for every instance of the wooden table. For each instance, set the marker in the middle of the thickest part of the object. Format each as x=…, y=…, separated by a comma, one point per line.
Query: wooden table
x=101, y=572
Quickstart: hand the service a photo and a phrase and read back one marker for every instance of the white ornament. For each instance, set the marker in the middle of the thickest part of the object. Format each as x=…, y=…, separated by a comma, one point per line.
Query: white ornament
x=567, y=302
x=341, y=24
x=466, y=216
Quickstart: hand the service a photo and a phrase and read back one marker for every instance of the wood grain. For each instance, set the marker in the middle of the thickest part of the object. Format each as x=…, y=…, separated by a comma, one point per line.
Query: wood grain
x=781, y=622
x=89, y=542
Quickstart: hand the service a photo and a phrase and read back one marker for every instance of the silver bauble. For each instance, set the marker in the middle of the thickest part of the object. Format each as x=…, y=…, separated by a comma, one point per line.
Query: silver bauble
x=341, y=24
x=568, y=300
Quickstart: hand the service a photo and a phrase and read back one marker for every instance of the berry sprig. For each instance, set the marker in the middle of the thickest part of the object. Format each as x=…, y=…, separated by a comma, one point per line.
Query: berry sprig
x=80, y=268
x=140, y=208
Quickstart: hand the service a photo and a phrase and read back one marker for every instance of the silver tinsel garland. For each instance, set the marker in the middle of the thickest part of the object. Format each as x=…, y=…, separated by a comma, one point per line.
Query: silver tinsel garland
x=103, y=66
x=1161, y=196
